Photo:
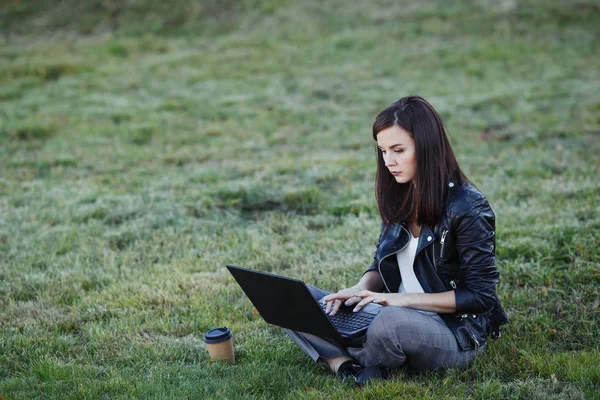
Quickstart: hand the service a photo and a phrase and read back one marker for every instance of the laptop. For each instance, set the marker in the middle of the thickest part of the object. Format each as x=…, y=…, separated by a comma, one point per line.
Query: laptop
x=288, y=303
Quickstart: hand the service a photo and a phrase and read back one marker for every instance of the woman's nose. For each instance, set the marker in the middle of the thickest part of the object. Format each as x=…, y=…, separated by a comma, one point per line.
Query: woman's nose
x=388, y=160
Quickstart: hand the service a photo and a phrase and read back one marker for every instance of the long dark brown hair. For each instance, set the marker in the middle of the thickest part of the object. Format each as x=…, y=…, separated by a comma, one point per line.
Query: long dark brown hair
x=436, y=165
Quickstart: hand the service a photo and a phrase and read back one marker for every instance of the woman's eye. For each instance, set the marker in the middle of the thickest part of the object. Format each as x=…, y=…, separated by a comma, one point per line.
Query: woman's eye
x=398, y=151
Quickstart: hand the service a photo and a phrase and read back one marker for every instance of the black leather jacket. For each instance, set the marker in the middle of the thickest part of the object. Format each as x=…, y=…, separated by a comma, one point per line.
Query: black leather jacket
x=457, y=254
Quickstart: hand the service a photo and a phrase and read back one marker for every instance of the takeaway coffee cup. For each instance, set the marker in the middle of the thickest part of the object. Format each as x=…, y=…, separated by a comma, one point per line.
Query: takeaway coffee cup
x=219, y=342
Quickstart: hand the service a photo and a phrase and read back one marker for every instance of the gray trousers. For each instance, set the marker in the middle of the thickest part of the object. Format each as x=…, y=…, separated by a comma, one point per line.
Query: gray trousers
x=397, y=336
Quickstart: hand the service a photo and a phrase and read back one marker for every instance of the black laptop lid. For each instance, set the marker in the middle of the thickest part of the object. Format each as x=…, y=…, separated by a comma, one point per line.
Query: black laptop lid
x=285, y=302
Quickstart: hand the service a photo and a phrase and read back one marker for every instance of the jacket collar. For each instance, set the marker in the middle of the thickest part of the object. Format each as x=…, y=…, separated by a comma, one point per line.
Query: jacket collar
x=398, y=235
x=426, y=238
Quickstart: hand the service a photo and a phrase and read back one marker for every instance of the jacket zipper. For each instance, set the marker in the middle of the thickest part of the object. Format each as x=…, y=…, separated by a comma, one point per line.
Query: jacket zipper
x=397, y=251
x=442, y=240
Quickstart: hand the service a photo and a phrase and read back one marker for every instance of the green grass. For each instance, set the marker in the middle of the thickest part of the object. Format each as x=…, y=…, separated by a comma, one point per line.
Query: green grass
x=142, y=152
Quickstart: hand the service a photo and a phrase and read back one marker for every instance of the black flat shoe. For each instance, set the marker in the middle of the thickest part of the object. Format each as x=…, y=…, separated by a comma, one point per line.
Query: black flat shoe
x=360, y=375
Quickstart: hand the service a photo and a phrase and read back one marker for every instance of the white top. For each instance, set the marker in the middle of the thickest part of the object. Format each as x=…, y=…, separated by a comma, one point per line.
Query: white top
x=406, y=261
x=406, y=264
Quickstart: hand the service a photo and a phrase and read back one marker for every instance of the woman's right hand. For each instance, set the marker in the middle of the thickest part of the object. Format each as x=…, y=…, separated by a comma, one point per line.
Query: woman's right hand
x=334, y=300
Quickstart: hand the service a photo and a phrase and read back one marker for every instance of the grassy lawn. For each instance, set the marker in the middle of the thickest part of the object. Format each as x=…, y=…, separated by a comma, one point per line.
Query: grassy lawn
x=142, y=152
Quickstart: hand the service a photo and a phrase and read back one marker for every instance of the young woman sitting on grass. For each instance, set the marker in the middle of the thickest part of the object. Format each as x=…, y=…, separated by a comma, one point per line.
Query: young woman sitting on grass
x=433, y=268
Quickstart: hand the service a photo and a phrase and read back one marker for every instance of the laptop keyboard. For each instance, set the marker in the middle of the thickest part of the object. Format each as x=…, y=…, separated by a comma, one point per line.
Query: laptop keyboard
x=348, y=320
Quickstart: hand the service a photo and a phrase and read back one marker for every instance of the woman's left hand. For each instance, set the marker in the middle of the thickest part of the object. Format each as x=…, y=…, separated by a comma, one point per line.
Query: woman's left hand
x=384, y=299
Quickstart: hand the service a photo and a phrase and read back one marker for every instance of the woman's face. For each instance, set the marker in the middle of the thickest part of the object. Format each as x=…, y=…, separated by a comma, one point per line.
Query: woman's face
x=398, y=152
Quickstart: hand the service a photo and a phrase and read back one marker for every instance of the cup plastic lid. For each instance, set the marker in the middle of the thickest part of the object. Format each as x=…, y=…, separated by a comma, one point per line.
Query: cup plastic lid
x=217, y=335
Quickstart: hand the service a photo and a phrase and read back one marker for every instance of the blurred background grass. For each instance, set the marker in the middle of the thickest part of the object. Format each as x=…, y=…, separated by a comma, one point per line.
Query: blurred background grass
x=145, y=144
